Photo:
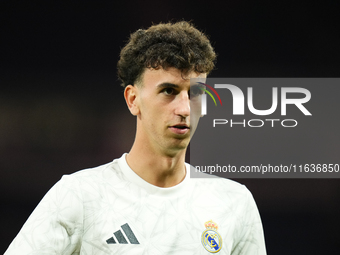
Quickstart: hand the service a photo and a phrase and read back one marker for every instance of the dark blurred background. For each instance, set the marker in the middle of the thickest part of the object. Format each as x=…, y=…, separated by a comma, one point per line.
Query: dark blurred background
x=62, y=107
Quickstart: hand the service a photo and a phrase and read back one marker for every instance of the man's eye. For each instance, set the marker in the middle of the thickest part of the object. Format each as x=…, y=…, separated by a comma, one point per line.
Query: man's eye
x=195, y=91
x=168, y=91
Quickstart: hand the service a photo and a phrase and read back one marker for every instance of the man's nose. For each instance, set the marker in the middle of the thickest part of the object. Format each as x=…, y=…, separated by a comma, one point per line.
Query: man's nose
x=183, y=104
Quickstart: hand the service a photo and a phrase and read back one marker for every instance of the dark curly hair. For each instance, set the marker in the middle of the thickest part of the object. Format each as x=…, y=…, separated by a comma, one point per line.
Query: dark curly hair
x=178, y=45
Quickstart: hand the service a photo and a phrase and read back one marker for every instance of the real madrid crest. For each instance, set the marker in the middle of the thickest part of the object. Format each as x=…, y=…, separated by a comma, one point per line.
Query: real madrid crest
x=211, y=239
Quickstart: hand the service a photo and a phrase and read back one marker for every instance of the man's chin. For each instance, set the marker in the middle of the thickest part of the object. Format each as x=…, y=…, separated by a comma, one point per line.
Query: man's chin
x=179, y=145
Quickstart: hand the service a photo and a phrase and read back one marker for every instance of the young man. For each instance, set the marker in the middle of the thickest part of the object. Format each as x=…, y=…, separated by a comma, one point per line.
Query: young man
x=145, y=201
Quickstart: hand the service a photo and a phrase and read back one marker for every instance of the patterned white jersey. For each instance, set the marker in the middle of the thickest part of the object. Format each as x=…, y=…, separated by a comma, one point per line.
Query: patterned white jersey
x=111, y=210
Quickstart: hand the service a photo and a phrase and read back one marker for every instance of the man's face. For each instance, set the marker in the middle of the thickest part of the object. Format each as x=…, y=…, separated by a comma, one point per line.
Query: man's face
x=163, y=99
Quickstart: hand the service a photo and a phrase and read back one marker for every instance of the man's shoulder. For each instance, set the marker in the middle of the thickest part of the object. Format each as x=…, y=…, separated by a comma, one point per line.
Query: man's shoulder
x=93, y=170
x=96, y=174
x=217, y=184
x=221, y=184
x=215, y=180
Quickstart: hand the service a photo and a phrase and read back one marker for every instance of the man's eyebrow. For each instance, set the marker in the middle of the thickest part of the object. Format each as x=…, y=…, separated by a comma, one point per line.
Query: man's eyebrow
x=199, y=85
x=167, y=85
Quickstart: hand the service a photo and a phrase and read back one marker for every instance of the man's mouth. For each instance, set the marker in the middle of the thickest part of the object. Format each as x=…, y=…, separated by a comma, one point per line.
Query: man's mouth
x=181, y=126
x=180, y=129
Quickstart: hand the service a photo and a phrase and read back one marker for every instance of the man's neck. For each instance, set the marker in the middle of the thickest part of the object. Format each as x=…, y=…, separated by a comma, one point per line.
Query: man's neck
x=157, y=168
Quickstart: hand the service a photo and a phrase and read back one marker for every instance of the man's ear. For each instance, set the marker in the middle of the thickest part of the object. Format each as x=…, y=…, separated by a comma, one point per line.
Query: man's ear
x=130, y=95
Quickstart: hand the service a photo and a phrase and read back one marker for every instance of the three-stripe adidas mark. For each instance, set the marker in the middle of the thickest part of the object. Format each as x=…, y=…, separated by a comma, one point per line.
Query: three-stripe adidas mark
x=120, y=237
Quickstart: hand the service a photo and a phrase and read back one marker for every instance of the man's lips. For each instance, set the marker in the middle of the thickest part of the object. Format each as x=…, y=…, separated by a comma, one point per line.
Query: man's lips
x=180, y=129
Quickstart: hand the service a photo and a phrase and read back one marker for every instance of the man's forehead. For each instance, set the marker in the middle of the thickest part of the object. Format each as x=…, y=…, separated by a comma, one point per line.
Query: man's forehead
x=171, y=75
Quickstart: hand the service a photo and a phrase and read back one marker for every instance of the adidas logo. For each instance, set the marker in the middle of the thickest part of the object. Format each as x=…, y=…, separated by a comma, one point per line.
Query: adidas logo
x=120, y=237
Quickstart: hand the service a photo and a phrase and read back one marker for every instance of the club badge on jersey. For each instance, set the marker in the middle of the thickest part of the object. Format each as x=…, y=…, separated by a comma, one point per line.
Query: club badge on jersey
x=211, y=239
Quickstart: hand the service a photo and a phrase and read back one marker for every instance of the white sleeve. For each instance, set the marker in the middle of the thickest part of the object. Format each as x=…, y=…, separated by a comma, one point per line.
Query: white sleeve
x=55, y=226
x=251, y=239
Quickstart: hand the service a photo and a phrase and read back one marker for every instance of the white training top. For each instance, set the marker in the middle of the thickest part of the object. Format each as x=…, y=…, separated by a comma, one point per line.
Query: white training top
x=111, y=210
